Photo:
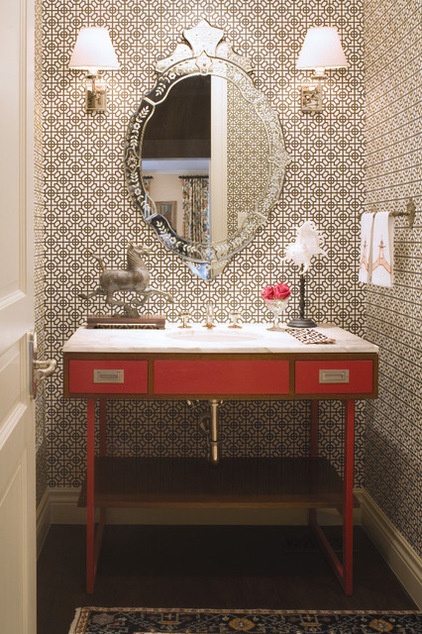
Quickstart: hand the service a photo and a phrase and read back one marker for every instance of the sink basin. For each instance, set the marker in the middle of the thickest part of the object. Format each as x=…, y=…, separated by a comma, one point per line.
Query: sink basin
x=230, y=336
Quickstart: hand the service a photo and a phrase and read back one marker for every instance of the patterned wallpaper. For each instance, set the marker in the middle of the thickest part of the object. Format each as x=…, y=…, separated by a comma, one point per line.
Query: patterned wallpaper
x=87, y=206
x=39, y=274
x=393, y=45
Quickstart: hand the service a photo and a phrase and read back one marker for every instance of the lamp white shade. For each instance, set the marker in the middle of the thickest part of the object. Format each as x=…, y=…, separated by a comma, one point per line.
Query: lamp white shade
x=321, y=49
x=93, y=50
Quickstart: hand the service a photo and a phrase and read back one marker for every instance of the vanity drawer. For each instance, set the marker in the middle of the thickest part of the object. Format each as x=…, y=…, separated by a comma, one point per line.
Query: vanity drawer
x=334, y=377
x=108, y=377
x=221, y=377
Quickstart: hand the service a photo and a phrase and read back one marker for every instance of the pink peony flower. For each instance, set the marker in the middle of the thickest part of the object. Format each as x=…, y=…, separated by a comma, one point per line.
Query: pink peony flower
x=278, y=291
x=268, y=292
x=281, y=291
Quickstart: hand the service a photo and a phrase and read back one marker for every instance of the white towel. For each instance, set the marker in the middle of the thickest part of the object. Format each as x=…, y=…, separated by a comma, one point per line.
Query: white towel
x=382, y=249
x=366, y=226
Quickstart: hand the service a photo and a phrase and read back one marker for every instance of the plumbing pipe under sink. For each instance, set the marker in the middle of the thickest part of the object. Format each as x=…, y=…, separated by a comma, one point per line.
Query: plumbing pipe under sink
x=210, y=429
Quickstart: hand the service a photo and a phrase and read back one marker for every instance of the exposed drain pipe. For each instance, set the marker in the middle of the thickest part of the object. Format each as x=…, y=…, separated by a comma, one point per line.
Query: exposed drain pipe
x=214, y=455
x=209, y=426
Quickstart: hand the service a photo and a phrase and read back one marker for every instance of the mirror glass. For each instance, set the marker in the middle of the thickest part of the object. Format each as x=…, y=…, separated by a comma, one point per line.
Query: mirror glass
x=205, y=157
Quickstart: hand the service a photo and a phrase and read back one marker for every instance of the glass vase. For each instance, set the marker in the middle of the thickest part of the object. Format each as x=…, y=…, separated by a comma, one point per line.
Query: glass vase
x=277, y=307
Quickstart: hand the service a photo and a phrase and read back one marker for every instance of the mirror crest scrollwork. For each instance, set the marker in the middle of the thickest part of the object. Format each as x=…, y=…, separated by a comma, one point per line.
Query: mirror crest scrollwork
x=205, y=157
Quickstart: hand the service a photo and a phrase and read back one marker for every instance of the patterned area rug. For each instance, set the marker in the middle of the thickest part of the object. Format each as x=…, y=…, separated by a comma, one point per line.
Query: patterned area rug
x=189, y=621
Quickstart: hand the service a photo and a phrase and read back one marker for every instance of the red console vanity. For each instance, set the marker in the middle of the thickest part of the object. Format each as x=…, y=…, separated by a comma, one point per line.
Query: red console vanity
x=247, y=364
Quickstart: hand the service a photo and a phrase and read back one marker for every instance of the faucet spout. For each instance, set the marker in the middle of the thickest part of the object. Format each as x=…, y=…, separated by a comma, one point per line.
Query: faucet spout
x=209, y=316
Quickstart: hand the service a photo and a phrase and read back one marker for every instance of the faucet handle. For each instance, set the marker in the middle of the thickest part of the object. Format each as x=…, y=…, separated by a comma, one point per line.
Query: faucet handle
x=234, y=317
x=185, y=320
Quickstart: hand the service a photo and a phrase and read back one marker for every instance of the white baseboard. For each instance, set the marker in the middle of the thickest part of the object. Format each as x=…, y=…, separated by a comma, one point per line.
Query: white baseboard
x=64, y=510
x=397, y=552
x=59, y=506
x=43, y=520
x=64, y=506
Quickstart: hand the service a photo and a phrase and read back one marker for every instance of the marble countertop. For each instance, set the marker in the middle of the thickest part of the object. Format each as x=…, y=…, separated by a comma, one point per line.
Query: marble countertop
x=251, y=338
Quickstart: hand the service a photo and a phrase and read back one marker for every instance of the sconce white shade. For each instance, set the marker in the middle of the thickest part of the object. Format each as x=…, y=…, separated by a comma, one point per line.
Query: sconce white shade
x=321, y=49
x=93, y=50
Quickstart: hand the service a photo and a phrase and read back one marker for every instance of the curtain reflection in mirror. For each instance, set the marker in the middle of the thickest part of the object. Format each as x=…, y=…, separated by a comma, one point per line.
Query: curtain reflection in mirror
x=196, y=222
x=147, y=183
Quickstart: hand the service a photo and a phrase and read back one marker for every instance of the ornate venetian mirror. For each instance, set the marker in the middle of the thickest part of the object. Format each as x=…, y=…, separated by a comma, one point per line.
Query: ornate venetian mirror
x=205, y=157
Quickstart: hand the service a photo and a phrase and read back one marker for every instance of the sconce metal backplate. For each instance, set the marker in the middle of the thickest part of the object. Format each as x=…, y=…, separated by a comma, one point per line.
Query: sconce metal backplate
x=96, y=94
x=311, y=97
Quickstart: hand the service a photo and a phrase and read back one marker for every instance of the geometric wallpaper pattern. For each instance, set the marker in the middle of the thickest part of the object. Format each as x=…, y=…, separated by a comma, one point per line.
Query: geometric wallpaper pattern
x=393, y=474
x=39, y=260
x=87, y=206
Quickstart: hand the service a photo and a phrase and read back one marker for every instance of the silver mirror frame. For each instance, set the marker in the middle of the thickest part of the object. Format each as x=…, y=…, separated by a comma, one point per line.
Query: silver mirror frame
x=206, y=53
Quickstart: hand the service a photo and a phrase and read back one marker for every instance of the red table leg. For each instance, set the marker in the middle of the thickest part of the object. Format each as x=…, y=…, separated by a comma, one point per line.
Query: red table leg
x=103, y=452
x=348, y=477
x=93, y=537
x=343, y=569
x=90, y=497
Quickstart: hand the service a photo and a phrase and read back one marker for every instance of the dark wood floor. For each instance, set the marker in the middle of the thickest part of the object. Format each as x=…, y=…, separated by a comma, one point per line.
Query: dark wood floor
x=207, y=567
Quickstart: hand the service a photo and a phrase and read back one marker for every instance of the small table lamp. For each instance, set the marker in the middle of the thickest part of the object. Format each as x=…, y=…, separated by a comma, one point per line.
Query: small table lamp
x=94, y=52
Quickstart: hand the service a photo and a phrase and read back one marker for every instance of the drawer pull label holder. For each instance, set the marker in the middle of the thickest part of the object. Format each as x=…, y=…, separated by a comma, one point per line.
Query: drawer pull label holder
x=109, y=376
x=334, y=376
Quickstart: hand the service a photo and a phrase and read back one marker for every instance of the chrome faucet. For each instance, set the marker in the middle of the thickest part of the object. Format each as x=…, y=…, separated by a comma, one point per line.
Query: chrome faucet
x=209, y=316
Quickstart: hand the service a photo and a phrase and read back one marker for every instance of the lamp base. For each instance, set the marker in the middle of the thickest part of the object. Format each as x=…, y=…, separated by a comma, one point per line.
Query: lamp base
x=301, y=322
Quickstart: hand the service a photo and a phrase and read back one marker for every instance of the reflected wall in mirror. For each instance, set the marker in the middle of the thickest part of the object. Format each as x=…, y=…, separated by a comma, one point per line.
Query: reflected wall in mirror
x=206, y=140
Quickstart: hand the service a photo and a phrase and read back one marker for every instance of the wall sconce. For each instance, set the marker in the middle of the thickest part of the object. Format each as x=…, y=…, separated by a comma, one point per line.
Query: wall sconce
x=94, y=53
x=321, y=50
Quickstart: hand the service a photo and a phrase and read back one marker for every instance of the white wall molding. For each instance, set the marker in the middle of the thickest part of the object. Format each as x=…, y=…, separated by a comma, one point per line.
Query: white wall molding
x=64, y=510
x=64, y=507
x=397, y=552
x=43, y=520
x=59, y=506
